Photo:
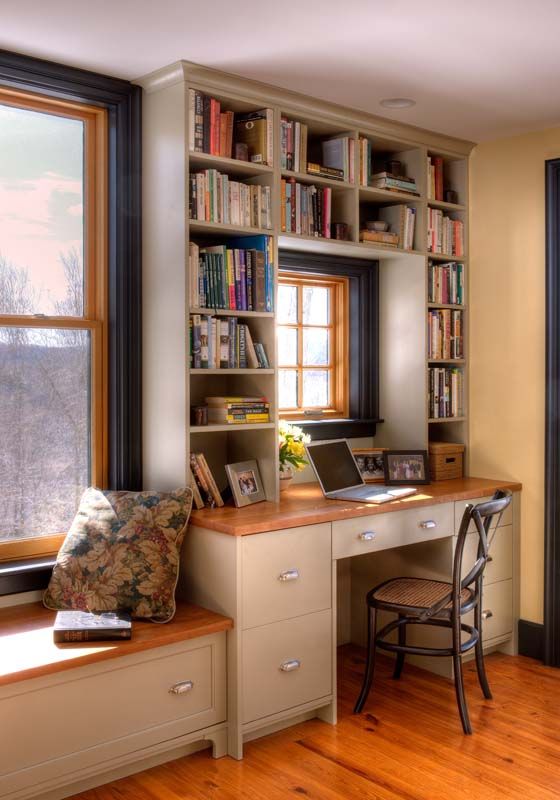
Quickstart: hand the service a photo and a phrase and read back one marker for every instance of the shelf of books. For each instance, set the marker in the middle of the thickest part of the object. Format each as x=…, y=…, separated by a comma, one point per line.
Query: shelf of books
x=266, y=169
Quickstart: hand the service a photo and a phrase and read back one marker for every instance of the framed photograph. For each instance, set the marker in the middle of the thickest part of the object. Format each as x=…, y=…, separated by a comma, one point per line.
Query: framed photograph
x=245, y=483
x=370, y=463
x=406, y=467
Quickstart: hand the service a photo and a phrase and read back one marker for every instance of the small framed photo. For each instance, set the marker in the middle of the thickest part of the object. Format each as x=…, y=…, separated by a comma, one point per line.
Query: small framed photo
x=406, y=467
x=245, y=483
x=370, y=463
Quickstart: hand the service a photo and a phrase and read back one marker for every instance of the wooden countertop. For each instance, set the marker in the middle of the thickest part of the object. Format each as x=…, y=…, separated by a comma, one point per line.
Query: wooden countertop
x=304, y=504
x=27, y=649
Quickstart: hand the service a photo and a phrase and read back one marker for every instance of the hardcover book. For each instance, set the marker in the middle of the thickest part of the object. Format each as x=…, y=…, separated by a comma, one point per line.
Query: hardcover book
x=85, y=626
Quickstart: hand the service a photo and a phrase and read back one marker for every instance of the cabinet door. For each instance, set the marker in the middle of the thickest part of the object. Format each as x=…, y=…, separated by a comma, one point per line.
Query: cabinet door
x=286, y=574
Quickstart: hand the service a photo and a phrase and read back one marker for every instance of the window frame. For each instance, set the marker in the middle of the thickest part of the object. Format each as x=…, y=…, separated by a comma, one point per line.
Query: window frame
x=338, y=346
x=94, y=315
x=363, y=340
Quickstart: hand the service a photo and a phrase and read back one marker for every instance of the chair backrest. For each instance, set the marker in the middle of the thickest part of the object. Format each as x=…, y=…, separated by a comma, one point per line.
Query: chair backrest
x=482, y=516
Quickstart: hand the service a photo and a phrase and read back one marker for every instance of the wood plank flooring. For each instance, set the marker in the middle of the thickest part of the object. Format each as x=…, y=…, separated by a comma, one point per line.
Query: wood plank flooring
x=407, y=745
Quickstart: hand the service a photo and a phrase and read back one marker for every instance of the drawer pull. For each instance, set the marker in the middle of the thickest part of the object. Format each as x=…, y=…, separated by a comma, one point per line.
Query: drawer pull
x=289, y=575
x=367, y=536
x=181, y=687
x=428, y=523
x=489, y=559
x=290, y=666
x=486, y=614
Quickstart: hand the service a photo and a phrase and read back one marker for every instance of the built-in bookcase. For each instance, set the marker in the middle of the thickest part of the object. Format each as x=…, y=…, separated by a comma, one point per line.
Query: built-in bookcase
x=171, y=387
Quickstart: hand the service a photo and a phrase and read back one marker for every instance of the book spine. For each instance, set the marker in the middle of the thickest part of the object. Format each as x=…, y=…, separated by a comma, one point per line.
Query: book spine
x=207, y=122
x=87, y=635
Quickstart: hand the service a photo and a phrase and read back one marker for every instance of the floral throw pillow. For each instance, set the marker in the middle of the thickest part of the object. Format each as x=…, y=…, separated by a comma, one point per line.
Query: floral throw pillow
x=122, y=552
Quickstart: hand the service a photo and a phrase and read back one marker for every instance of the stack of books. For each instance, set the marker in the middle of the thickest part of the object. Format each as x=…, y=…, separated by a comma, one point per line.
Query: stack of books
x=293, y=145
x=306, y=209
x=435, y=178
x=380, y=237
x=238, y=276
x=445, y=235
x=324, y=172
x=338, y=153
x=446, y=283
x=364, y=152
x=393, y=183
x=237, y=410
x=445, y=334
x=214, y=197
x=205, y=489
x=223, y=343
x=402, y=221
x=445, y=399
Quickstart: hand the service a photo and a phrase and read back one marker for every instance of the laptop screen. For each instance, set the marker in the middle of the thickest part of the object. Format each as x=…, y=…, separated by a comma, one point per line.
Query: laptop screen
x=334, y=465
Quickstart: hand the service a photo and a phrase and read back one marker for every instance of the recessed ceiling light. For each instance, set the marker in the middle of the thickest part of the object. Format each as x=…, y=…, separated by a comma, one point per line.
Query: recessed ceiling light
x=398, y=102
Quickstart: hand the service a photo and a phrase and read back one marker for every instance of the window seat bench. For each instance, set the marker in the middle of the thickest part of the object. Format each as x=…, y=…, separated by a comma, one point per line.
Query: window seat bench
x=75, y=716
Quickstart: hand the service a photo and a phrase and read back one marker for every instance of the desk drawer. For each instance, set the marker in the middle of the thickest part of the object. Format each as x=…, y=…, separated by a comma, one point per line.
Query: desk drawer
x=497, y=598
x=460, y=506
x=500, y=568
x=286, y=574
x=351, y=537
x=305, y=644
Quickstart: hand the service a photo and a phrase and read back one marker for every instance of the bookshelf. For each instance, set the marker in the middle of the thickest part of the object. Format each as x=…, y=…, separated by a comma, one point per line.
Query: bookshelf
x=171, y=387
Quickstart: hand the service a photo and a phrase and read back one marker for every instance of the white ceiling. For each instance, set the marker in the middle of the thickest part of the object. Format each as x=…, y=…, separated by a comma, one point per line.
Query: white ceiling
x=478, y=70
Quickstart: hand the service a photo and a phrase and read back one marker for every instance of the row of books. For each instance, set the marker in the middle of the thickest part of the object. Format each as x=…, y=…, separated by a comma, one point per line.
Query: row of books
x=237, y=410
x=446, y=283
x=393, y=183
x=445, y=392
x=236, y=276
x=445, y=235
x=435, y=178
x=402, y=222
x=247, y=136
x=293, y=145
x=338, y=153
x=205, y=489
x=223, y=343
x=445, y=334
x=306, y=209
x=214, y=197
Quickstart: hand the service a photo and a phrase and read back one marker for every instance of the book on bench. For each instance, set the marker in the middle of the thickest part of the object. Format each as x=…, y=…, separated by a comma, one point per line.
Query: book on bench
x=86, y=626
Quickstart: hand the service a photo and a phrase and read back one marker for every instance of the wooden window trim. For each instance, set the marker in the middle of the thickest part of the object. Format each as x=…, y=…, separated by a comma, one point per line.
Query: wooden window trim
x=95, y=313
x=338, y=347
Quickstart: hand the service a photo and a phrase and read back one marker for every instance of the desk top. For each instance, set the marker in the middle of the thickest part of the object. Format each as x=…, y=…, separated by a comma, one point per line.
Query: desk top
x=304, y=504
x=27, y=649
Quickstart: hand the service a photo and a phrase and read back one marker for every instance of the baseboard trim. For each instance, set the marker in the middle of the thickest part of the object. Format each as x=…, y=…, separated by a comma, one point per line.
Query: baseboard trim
x=531, y=639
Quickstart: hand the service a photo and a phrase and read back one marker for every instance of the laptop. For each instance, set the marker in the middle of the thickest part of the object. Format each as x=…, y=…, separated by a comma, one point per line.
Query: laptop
x=340, y=478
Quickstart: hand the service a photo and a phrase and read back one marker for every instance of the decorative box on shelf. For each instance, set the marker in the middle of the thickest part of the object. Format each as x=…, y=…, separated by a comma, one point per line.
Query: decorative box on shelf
x=446, y=460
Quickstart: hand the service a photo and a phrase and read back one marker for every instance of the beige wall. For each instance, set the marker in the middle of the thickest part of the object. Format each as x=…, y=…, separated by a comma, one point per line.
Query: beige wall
x=507, y=337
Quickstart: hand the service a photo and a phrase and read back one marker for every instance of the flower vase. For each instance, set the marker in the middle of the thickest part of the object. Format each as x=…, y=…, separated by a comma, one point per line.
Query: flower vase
x=286, y=477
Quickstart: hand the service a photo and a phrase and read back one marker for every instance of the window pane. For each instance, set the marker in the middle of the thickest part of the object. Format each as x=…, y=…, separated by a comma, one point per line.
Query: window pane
x=287, y=303
x=41, y=213
x=44, y=429
x=287, y=346
x=287, y=388
x=315, y=305
x=315, y=388
x=315, y=346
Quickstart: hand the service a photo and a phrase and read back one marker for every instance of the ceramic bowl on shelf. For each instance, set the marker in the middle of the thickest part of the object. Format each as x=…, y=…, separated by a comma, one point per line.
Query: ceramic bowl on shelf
x=377, y=225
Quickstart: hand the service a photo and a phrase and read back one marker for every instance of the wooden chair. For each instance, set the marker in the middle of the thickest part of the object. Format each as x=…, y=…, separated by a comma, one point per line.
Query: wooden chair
x=419, y=601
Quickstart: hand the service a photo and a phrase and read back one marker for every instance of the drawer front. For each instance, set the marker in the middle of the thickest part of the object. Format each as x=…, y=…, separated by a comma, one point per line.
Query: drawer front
x=352, y=537
x=497, y=599
x=460, y=506
x=62, y=720
x=500, y=567
x=286, y=664
x=286, y=574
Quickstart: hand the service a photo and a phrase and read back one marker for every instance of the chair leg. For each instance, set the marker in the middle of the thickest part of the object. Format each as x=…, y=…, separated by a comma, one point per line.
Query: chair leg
x=399, y=663
x=460, y=693
x=370, y=663
x=480, y=668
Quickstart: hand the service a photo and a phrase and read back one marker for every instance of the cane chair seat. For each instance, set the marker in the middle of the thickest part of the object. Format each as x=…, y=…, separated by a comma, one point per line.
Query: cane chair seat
x=416, y=593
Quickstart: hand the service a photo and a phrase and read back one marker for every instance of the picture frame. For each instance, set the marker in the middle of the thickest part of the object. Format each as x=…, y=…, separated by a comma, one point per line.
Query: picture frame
x=406, y=467
x=370, y=463
x=245, y=483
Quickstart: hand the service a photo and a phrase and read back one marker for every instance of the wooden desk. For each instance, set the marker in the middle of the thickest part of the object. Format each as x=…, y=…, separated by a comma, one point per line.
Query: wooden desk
x=283, y=571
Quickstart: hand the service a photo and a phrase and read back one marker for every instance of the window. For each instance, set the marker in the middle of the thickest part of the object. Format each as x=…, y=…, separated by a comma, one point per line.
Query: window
x=312, y=346
x=53, y=338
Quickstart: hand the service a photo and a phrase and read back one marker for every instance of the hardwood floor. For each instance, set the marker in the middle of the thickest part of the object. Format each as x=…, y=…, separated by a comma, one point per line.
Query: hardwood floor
x=407, y=745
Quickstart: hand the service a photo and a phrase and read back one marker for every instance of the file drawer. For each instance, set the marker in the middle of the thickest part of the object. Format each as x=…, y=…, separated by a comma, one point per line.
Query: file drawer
x=497, y=601
x=500, y=567
x=460, y=506
x=286, y=664
x=352, y=537
x=286, y=574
